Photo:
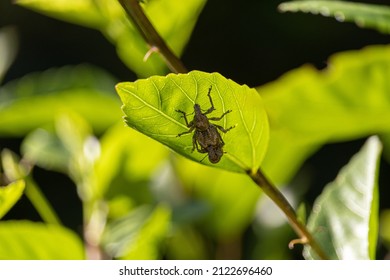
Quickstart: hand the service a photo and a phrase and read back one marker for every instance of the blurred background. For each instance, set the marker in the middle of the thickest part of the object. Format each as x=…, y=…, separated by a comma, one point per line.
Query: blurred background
x=249, y=42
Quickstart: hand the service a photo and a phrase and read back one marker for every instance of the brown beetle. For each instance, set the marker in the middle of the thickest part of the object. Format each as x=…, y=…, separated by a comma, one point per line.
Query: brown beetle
x=206, y=138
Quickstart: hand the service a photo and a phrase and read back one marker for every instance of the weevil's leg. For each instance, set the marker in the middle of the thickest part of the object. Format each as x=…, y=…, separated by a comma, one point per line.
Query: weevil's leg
x=184, y=116
x=186, y=132
x=220, y=138
x=223, y=129
x=195, y=145
x=211, y=102
x=219, y=118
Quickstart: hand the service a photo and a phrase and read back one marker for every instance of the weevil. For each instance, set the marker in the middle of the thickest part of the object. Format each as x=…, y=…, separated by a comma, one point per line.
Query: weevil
x=206, y=138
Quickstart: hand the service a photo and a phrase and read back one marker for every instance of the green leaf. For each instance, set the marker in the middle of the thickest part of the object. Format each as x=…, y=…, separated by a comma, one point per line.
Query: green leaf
x=8, y=49
x=364, y=15
x=24, y=240
x=186, y=243
x=12, y=168
x=139, y=234
x=127, y=164
x=150, y=107
x=176, y=28
x=344, y=217
x=46, y=150
x=9, y=195
x=308, y=108
x=15, y=170
x=173, y=19
x=82, y=89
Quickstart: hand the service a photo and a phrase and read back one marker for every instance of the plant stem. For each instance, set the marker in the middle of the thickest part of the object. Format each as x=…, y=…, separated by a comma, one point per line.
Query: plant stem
x=277, y=197
x=151, y=36
x=41, y=204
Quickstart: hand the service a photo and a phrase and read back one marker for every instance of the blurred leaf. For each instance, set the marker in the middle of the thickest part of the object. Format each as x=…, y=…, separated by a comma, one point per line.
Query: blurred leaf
x=23, y=240
x=14, y=169
x=173, y=19
x=150, y=107
x=270, y=243
x=83, y=12
x=126, y=166
x=185, y=243
x=45, y=149
x=307, y=108
x=8, y=49
x=76, y=136
x=139, y=234
x=9, y=195
x=364, y=15
x=230, y=197
x=71, y=149
x=344, y=217
x=80, y=77
x=176, y=28
x=36, y=99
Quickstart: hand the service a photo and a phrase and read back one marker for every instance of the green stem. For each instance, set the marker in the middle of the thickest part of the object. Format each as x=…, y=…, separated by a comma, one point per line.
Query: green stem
x=151, y=36
x=41, y=204
x=277, y=197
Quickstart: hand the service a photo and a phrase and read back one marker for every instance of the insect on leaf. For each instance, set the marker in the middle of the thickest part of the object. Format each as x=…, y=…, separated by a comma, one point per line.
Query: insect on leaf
x=151, y=105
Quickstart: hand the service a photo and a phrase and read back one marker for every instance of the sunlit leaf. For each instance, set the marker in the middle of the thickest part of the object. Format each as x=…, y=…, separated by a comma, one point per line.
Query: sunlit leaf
x=24, y=240
x=9, y=195
x=308, y=108
x=150, y=107
x=8, y=49
x=344, y=217
x=364, y=15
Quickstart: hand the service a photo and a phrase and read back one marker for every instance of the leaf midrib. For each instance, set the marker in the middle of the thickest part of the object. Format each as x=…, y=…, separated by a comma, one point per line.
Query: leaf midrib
x=150, y=106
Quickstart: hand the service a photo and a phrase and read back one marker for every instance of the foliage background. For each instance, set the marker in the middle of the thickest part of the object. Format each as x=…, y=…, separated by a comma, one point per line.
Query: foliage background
x=250, y=43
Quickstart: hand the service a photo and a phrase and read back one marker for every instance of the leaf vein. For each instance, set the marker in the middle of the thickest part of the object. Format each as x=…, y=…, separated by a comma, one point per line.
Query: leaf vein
x=154, y=108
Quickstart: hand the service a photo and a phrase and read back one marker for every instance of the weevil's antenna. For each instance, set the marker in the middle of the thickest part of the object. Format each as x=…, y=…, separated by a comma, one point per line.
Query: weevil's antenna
x=203, y=158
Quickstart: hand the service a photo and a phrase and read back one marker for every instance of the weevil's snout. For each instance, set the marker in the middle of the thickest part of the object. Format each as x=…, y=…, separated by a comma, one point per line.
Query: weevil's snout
x=215, y=154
